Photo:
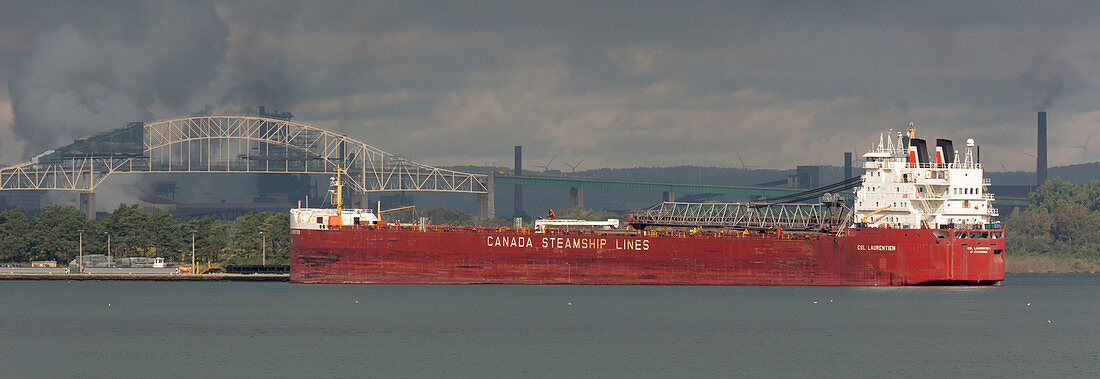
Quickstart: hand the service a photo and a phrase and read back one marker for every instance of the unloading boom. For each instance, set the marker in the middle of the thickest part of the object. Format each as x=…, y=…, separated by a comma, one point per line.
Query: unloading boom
x=745, y=216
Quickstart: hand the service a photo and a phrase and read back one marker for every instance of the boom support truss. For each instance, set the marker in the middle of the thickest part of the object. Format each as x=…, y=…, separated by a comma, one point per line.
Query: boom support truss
x=744, y=216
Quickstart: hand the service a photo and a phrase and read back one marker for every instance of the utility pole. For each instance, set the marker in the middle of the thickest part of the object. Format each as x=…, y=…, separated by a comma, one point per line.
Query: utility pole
x=80, y=266
x=108, y=248
x=194, y=269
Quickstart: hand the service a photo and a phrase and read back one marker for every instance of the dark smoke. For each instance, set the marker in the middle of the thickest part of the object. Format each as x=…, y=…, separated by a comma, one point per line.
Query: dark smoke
x=89, y=74
x=260, y=86
x=1050, y=79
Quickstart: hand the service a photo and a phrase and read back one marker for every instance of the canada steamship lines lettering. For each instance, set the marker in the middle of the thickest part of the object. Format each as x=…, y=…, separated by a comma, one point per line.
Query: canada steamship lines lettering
x=568, y=243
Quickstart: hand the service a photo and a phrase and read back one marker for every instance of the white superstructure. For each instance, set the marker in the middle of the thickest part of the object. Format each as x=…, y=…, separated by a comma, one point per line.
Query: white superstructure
x=905, y=188
x=322, y=218
x=542, y=224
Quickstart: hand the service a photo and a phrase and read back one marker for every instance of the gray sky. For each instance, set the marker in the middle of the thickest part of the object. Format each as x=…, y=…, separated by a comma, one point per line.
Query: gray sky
x=618, y=84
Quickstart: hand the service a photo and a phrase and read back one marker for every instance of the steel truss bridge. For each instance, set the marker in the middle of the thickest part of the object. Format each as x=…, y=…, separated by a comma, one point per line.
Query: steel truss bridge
x=235, y=144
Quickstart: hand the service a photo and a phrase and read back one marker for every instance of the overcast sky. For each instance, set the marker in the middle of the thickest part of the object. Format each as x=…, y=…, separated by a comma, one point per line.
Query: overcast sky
x=618, y=84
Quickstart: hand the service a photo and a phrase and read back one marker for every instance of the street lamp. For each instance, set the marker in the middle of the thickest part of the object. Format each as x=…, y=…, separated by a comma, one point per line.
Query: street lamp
x=108, y=248
x=80, y=257
x=263, y=247
x=194, y=269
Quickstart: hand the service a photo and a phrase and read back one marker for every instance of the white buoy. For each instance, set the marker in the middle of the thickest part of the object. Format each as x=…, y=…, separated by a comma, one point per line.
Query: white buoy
x=357, y=302
x=830, y=300
x=815, y=301
x=1029, y=304
x=570, y=303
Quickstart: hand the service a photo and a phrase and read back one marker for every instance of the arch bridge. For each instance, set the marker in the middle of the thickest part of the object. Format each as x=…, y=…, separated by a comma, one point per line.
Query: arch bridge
x=234, y=144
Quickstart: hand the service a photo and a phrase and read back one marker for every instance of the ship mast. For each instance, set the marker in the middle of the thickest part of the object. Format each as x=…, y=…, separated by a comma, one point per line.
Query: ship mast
x=336, y=189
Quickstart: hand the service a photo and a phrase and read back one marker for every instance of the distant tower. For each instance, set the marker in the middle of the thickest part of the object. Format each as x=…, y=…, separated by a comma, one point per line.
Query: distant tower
x=519, y=188
x=1041, y=151
x=847, y=165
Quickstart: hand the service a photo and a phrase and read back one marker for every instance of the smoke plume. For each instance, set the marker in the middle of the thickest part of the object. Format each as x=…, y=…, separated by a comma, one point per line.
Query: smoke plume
x=1048, y=80
x=87, y=74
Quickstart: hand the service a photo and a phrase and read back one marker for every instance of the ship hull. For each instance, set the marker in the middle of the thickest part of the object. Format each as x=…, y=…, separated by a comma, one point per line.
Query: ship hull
x=862, y=257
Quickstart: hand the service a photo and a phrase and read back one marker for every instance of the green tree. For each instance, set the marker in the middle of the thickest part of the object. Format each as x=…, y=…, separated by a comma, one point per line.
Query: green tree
x=128, y=227
x=211, y=238
x=14, y=236
x=441, y=216
x=162, y=235
x=54, y=233
x=587, y=214
x=1053, y=193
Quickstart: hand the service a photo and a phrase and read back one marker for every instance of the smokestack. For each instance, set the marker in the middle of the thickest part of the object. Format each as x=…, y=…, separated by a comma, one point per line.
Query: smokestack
x=847, y=165
x=1041, y=151
x=519, y=188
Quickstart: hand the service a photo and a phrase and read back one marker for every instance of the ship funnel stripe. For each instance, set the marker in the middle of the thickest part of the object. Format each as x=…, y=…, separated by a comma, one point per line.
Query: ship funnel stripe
x=948, y=149
x=921, y=149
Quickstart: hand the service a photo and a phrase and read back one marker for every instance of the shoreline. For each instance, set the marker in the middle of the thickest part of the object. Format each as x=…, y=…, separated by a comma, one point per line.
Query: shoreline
x=1037, y=264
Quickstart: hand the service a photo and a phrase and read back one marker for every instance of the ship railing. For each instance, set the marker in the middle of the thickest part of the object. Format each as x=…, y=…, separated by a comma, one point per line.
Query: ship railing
x=959, y=165
x=693, y=233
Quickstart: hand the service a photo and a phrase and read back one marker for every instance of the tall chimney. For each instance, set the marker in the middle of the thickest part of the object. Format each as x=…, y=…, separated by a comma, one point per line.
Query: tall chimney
x=1041, y=151
x=519, y=188
x=847, y=165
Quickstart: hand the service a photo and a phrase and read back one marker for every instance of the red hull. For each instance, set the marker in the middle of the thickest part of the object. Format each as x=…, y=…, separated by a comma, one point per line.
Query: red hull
x=443, y=255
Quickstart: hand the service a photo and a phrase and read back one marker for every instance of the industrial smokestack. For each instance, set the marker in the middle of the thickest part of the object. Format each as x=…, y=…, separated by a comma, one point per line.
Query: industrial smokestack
x=519, y=188
x=847, y=165
x=1041, y=151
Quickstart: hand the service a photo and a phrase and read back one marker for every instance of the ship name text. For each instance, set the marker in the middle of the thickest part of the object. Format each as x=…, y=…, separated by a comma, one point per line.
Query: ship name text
x=876, y=248
x=568, y=243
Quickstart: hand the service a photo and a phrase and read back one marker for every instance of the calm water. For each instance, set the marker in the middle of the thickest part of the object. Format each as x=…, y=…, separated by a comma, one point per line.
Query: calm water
x=285, y=330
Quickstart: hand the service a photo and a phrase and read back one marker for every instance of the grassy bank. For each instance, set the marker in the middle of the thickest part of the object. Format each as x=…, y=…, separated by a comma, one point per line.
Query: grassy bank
x=1043, y=263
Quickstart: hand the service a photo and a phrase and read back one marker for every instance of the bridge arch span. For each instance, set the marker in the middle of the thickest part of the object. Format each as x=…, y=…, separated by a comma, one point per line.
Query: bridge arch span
x=231, y=144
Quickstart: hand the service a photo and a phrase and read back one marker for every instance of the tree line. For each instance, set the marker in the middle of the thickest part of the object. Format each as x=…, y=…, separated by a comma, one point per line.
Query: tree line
x=1062, y=221
x=57, y=233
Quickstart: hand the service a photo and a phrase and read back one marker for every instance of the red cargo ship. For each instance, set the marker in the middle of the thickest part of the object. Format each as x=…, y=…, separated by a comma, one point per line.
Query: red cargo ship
x=915, y=222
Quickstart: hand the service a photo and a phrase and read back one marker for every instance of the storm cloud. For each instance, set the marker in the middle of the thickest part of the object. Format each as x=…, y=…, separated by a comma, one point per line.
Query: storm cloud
x=618, y=84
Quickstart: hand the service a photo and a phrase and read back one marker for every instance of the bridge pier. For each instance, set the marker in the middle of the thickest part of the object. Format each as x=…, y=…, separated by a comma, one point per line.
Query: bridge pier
x=576, y=197
x=87, y=204
x=486, y=202
x=668, y=196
